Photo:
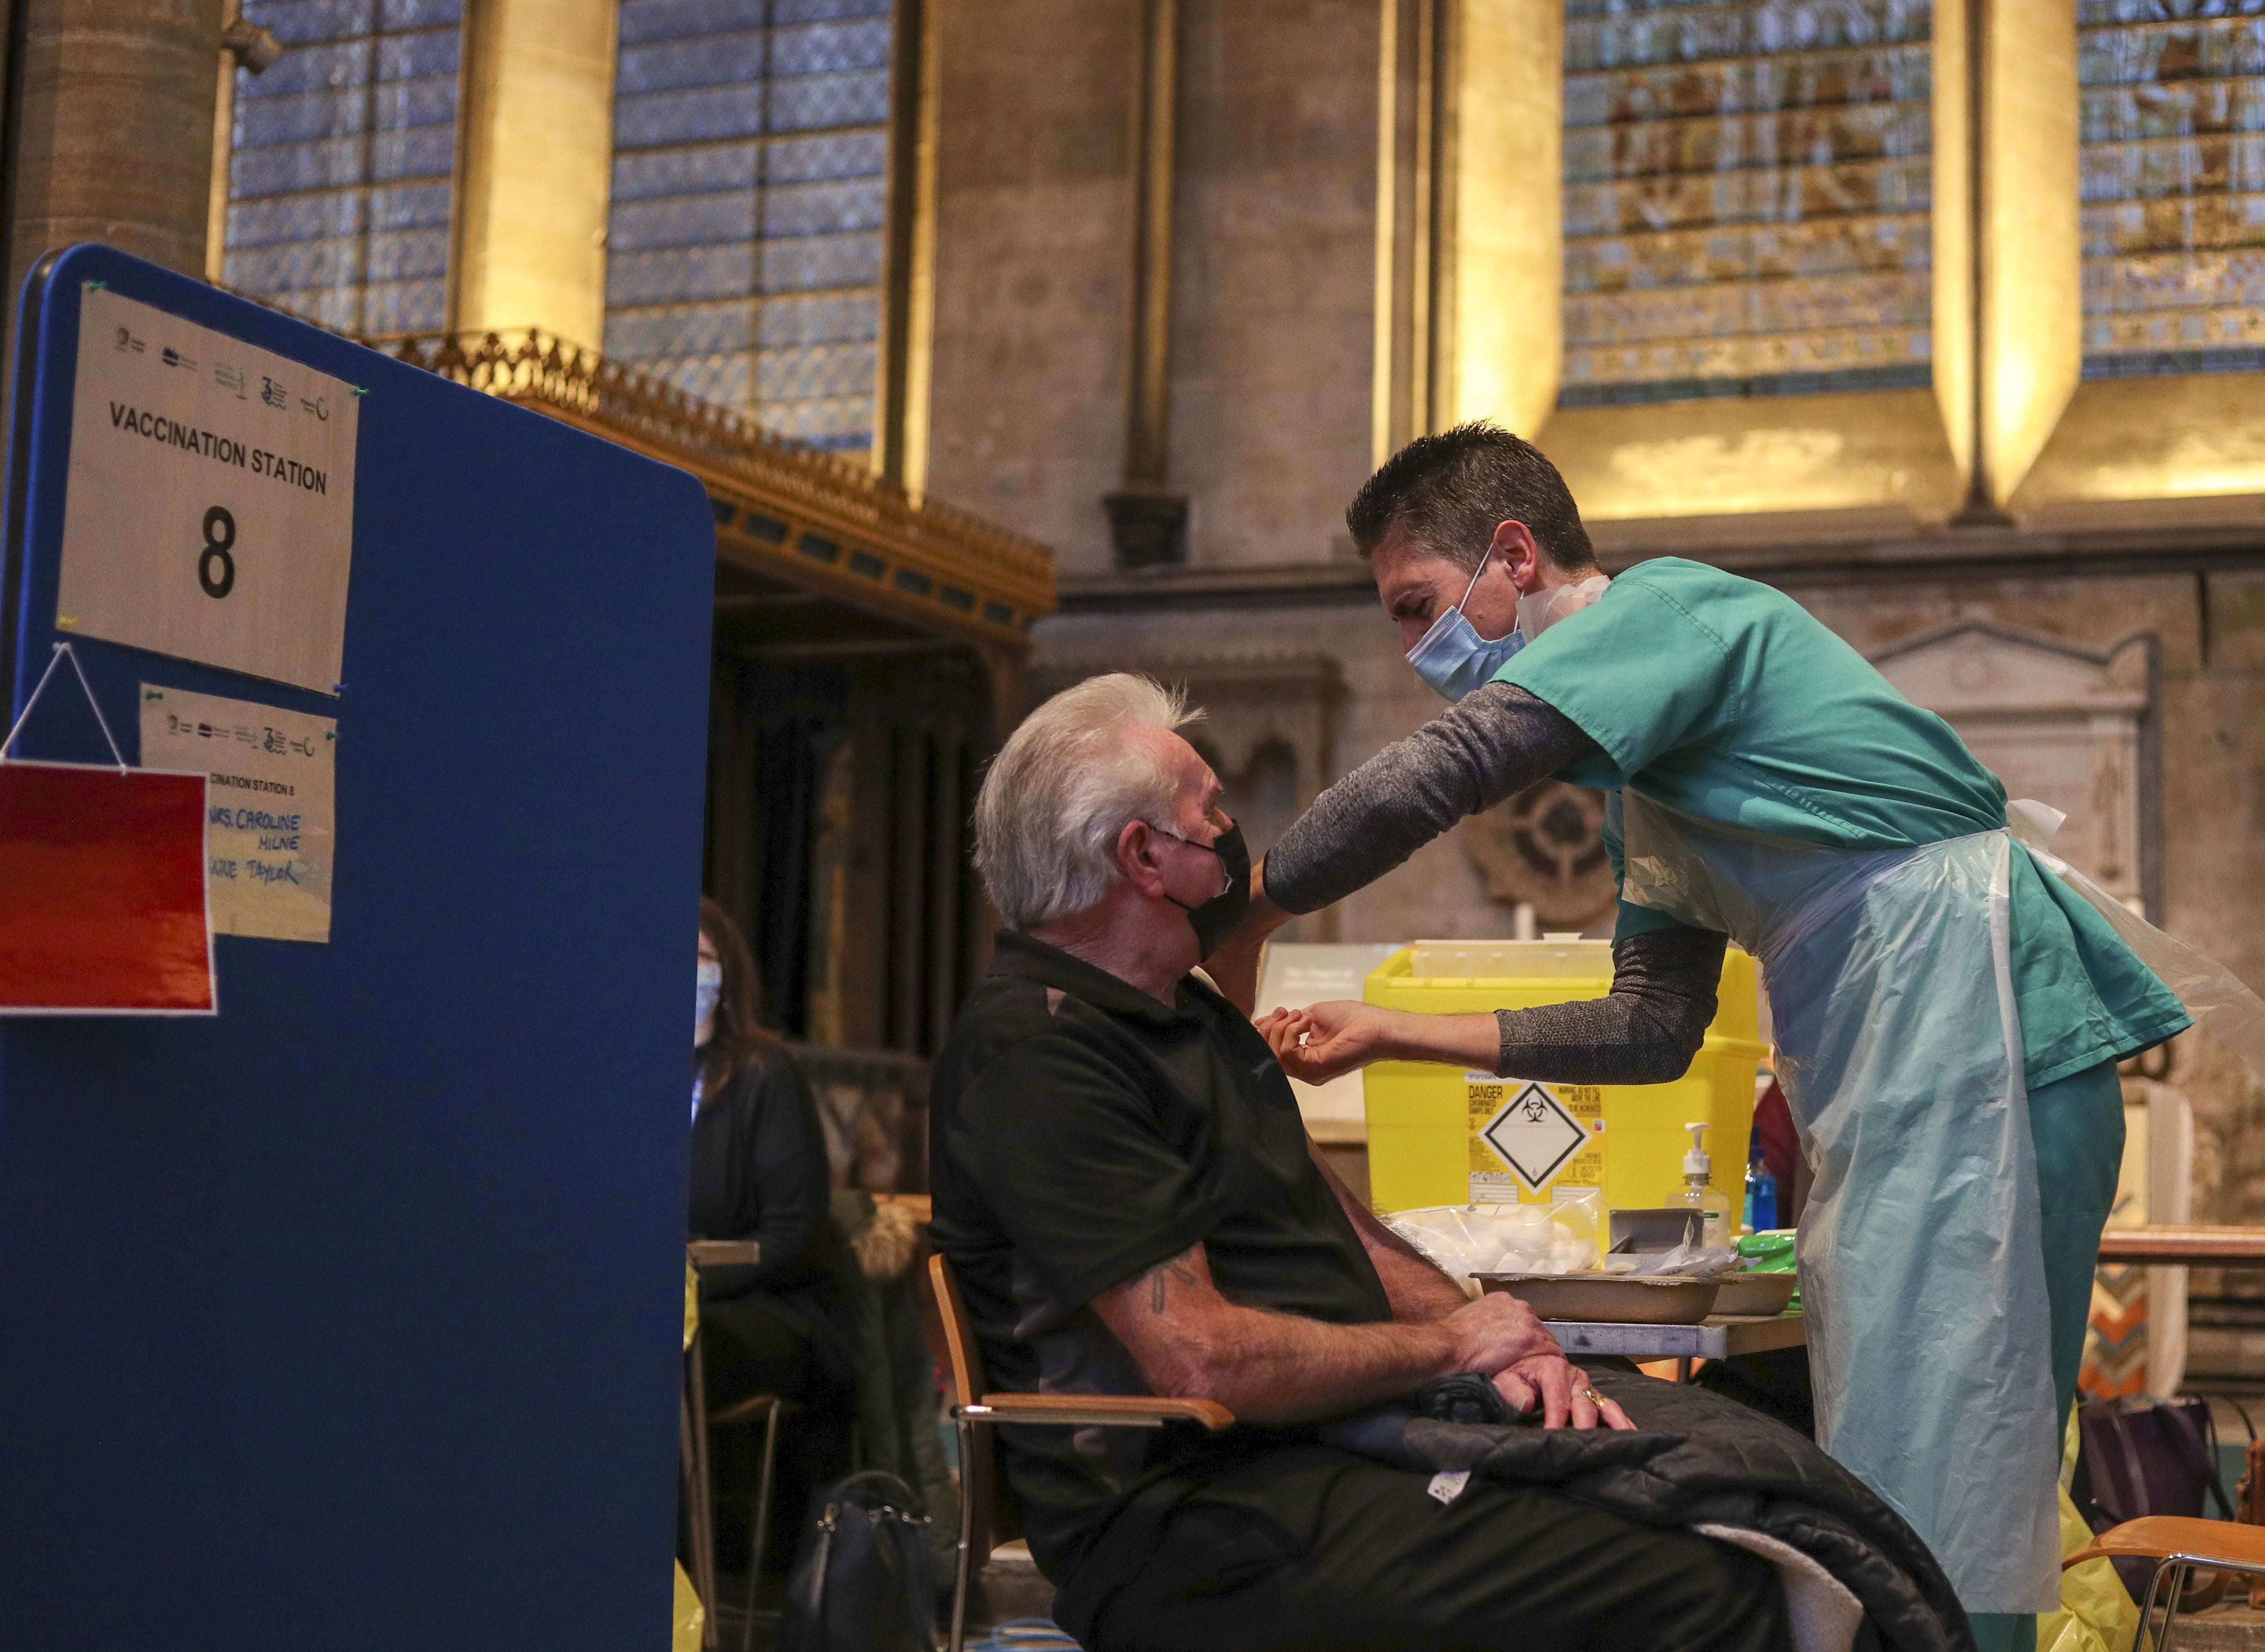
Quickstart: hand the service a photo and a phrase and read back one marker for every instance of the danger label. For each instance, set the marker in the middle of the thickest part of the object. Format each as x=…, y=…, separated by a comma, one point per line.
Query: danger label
x=1527, y=1137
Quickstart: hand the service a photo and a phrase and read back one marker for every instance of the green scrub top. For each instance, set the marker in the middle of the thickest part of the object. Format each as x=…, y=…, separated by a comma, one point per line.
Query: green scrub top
x=1726, y=700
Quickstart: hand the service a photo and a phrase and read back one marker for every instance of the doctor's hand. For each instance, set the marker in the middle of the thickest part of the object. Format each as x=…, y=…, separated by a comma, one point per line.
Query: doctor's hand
x=1318, y=1042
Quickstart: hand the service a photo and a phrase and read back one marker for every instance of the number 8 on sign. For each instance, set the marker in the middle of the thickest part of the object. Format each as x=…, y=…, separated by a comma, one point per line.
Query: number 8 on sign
x=216, y=568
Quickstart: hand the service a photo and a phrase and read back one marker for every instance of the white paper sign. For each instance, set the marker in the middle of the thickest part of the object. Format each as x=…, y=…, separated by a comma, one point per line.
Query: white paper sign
x=270, y=813
x=210, y=513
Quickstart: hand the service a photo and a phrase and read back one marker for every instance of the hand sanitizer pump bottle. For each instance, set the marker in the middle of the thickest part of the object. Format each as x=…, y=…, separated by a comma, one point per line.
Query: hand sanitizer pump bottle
x=1698, y=1166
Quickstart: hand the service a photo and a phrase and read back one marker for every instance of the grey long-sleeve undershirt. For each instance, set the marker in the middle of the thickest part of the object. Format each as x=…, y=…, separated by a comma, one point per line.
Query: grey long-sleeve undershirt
x=1491, y=745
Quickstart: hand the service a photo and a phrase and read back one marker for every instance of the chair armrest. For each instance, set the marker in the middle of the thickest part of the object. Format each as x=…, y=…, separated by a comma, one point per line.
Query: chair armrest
x=1096, y=1411
x=725, y=1253
x=2176, y=1537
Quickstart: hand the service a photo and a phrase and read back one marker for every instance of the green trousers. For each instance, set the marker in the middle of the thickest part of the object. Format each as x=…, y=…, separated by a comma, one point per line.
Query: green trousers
x=2077, y=1126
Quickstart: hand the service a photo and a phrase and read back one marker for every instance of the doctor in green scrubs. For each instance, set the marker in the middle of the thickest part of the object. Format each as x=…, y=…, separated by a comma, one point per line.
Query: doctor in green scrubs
x=1949, y=1011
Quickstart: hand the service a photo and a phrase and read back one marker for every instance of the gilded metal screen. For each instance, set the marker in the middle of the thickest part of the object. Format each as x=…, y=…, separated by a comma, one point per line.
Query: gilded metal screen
x=750, y=192
x=1747, y=198
x=2173, y=127
x=342, y=164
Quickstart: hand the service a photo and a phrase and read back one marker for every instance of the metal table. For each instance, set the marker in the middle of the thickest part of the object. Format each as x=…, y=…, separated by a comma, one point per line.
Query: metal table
x=1717, y=1337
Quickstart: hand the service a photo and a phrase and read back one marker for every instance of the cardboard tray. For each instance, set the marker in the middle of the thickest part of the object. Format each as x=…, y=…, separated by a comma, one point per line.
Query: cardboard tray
x=1608, y=1298
x=1757, y=1293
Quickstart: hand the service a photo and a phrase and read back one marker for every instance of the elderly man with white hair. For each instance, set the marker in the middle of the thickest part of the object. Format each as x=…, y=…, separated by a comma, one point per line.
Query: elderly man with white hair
x=1123, y=1181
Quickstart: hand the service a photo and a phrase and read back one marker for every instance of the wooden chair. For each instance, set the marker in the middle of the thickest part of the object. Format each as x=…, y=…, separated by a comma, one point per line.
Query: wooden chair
x=975, y=1414
x=2177, y=1546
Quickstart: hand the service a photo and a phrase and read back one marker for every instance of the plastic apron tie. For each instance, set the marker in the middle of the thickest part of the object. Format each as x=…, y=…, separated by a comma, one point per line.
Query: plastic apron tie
x=1890, y=979
x=2213, y=994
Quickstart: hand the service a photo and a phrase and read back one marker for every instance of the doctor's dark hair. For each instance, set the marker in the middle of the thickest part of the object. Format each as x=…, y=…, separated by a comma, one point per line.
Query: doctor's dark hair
x=740, y=1037
x=1444, y=495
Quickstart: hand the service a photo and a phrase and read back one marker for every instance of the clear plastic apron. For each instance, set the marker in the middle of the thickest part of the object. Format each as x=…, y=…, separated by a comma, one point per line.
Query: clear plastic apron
x=1922, y=1266
x=2213, y=994
x=1899, y=1048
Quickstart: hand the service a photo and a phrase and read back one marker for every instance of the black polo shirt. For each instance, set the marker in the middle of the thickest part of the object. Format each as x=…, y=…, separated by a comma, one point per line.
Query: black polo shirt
x=1081, y=1132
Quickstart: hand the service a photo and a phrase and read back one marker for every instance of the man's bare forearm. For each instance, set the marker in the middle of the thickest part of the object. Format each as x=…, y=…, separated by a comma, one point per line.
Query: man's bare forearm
x=1419, y=1290
x=1264, y=1366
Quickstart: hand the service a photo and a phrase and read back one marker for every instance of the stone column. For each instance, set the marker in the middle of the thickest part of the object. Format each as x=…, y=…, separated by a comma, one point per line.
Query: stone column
x=536, y=168
x=1034, y=170
x=1147, y=515
x=114, y=140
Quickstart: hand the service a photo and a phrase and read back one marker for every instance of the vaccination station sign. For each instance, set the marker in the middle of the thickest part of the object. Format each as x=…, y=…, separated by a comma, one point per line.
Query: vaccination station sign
x=210, y=511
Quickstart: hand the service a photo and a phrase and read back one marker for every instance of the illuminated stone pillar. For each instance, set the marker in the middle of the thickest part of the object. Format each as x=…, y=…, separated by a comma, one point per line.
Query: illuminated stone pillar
x=1956, y=243
x=1505, y=332
x=116, y=139
x=535, y=168
x=1470, y=235
x=2025, y=265
x=907, y=356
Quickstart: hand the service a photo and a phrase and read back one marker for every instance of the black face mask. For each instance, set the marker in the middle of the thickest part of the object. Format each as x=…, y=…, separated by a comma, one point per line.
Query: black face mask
x=1215, y=919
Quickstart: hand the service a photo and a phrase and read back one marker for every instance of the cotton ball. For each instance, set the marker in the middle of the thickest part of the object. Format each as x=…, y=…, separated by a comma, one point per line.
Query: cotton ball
x=1571, y=1256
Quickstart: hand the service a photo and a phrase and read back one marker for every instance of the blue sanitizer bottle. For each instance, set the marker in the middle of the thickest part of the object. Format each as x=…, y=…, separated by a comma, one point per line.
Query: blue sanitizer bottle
x=1761, y=1194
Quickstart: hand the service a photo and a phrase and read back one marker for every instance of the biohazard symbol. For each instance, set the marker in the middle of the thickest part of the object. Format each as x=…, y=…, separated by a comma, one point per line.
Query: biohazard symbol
x=1535, y=1136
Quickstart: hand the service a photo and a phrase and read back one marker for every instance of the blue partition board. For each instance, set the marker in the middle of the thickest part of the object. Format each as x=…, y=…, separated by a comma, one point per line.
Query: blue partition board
x=350, y=1318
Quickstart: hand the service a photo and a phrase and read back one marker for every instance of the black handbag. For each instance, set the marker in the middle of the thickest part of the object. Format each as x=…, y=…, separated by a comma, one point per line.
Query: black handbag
x=2140, y=1457
x=862, y=1582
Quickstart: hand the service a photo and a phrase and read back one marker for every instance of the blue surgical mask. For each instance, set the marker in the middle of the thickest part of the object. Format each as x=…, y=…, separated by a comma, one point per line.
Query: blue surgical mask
x=1454, y=658
x=708, y=987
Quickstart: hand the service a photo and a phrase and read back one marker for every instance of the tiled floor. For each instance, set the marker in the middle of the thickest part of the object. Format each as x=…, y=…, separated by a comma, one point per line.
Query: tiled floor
x=2225, y=1628
x=1011, y=1588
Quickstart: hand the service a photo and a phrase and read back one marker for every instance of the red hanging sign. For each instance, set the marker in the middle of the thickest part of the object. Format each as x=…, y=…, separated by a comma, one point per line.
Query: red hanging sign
x=102, y=892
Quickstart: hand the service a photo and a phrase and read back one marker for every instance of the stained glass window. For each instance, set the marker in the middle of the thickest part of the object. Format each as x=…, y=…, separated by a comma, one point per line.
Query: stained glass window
x=750, y=191
x=1747, y=198
x=342, y=157
x=2174, y=132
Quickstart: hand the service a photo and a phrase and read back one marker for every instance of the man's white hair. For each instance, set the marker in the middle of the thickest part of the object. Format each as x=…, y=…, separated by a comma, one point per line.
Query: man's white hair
x=1062, y=788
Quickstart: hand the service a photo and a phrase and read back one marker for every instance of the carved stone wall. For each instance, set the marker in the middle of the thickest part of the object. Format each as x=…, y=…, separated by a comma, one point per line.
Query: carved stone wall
x=1545, y=849
x=2065, y=726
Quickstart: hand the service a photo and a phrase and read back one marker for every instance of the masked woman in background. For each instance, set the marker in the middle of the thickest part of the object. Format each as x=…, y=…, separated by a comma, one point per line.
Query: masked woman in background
x=759, y=1172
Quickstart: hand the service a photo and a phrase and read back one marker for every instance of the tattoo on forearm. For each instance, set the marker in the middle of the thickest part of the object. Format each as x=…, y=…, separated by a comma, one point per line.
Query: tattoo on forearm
x=1182, y=1268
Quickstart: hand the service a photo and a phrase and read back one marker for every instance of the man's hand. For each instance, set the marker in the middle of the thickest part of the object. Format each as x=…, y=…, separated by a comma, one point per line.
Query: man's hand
x=1322, y=1041
x=1497, y=1335
x=1562, y=1389
x=1494, y=1332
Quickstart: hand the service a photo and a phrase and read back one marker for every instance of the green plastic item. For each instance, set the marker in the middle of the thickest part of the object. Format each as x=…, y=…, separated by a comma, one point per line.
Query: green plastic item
x=1769, y=1251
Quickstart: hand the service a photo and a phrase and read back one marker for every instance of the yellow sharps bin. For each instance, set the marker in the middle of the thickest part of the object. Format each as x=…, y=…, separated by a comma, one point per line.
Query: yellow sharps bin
x=1439, y=1136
